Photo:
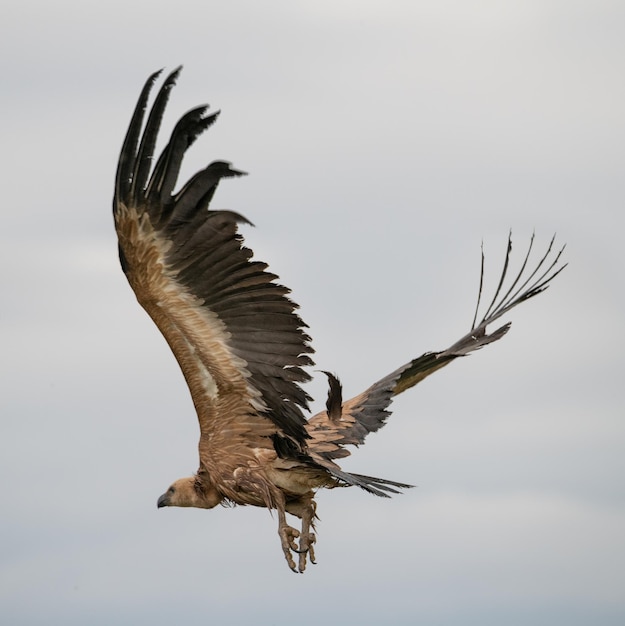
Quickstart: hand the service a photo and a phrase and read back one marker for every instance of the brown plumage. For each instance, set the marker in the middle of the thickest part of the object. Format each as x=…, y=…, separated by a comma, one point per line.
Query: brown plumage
x=240, y=344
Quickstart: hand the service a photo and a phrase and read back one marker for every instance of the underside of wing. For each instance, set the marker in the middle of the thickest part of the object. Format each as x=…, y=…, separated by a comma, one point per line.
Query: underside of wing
x=348, y=423
x=231, y=326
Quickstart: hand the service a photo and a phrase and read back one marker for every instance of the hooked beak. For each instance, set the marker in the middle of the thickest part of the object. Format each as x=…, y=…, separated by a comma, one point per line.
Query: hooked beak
x=162, y=501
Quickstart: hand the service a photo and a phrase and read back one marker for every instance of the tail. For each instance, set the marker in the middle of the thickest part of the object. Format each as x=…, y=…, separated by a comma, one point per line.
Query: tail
x=377, y=486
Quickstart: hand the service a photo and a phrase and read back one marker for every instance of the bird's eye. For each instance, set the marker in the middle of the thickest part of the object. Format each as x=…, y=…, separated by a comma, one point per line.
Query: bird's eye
x=171, y=490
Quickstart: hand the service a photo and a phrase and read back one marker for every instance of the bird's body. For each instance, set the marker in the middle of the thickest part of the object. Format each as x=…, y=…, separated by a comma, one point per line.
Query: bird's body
x=240, y=344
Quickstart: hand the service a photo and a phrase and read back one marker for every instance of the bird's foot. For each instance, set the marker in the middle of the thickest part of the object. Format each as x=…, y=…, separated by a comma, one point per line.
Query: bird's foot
x=306, y=548
x=288, y=535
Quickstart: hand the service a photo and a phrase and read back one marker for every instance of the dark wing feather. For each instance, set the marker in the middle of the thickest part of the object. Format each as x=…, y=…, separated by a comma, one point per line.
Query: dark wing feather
x=198, y=254
x=368, y=411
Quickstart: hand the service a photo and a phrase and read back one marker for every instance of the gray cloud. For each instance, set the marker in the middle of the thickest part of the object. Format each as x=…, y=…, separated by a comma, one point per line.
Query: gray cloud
x=384, y=142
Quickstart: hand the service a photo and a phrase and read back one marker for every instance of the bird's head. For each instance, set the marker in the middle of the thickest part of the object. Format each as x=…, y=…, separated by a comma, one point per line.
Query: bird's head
x=190, y=492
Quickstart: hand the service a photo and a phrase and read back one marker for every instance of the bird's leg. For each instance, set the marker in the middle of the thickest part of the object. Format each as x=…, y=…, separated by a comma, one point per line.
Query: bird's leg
x=288, y=535
x=305, y=509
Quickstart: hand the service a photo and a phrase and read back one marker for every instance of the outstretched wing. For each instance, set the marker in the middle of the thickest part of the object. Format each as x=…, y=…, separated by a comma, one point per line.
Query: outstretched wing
x=350, y=422
x=232, y=328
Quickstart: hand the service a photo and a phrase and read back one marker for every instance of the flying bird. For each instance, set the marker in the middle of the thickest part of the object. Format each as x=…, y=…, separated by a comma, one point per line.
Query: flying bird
x=240, y=344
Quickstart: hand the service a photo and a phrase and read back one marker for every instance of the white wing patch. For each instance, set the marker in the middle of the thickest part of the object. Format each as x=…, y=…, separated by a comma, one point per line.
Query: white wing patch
x=199, y=334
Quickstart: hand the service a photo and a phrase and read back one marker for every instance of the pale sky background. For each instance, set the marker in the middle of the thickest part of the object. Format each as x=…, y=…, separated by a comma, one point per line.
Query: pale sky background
x=385, y=140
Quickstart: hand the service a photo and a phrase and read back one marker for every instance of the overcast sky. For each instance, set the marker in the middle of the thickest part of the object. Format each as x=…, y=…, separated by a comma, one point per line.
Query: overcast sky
x=385, y=140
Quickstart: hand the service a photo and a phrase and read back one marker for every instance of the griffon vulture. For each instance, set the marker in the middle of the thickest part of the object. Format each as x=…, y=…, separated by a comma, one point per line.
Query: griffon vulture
x=240, y=344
